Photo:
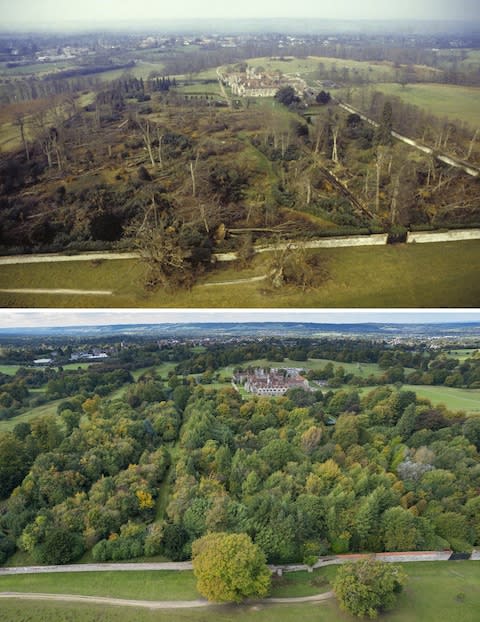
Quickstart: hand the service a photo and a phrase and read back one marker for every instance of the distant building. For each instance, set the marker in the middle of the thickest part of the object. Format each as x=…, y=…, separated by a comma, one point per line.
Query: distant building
x=256, y=82
x=271, y=382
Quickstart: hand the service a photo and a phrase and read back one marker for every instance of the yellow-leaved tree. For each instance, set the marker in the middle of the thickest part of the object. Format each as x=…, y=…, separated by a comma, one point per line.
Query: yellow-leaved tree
x=229, y=567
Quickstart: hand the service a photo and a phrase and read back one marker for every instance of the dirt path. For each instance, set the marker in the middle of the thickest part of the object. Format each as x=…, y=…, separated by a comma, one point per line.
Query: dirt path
x=121, y=602
x=47, y=258
x=252, y=279
x=76, y=292
x=153, y=604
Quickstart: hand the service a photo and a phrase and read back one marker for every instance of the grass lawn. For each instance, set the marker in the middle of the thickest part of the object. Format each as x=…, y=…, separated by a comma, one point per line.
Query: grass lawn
x=435, y=592
x=455, y=102
x=359, y=369
x=413, y=275
x=467, y=400
x=454, y=399
x=146, y=585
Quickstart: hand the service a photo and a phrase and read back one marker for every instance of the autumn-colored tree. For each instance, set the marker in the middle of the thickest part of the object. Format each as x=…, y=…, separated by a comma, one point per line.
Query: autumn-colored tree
x=229, y=567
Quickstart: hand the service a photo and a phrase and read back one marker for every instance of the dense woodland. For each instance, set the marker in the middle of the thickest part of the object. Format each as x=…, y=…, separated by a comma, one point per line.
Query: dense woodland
x=167, y=460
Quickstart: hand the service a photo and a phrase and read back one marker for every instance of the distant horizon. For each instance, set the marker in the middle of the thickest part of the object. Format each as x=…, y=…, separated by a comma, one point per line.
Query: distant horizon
x=39, y=318
x=100, y=11
x=230, y=25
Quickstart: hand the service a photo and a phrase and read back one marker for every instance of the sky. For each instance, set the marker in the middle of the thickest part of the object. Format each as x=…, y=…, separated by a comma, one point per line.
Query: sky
x=76, y=317
x=60, y=11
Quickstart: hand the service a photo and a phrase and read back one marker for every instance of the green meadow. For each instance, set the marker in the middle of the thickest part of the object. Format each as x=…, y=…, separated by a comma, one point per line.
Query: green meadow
x=442, y=100
x=413, y=275
x=435, y=592
x=7, y=425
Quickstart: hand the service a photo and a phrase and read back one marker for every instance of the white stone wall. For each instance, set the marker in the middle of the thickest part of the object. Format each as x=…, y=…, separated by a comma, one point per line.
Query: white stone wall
x=454, y=235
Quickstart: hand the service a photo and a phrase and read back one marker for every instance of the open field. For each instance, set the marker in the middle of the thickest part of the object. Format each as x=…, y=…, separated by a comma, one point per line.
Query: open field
x=10, y=370
x=308, y=68
x=454, y=102
x=39, y=411
x=463, y=354
x=161, y=370
x=359, y=369
x=144, y=585
x=435, y=592
x=454, y=399
x=149, y=585
x=421, y=275
x=467, y=400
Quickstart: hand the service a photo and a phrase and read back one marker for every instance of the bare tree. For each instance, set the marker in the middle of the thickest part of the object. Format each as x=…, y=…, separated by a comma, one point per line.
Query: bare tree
x=472, y=143
x=20, y=123
x=335, y=131
x=147, y=136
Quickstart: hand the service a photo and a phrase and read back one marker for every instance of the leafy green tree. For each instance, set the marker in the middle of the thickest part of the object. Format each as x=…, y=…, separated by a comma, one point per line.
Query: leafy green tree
x=287, y=96
x=229, y=568
x=368, y=587
x=399, y=530
x=60, y=546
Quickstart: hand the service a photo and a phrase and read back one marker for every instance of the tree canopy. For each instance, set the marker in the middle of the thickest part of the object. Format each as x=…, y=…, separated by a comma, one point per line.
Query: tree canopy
x=368, y=587
x=229, y=567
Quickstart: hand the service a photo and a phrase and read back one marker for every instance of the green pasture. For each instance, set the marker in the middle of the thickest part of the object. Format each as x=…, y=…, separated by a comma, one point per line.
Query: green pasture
x=413, y=275
x=454, y=399
x=161, y=370
x=442, y=100
x=7, y=425
x=464, y=59
x=308, y=68
x=35, y=68
x=435, y=592
x=10, y=370
x=359, y=369
x=464, y=354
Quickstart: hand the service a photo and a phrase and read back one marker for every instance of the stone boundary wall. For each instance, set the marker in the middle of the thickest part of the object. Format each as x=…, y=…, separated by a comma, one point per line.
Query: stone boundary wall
x=445, y=236
x=96, y=567
x=407, y=556
x=329, y=560
x=376, y=239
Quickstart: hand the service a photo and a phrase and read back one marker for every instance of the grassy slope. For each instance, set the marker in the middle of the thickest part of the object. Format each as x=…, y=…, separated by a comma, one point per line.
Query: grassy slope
x=455, y=102
x=421, y=275
x=39, y=411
